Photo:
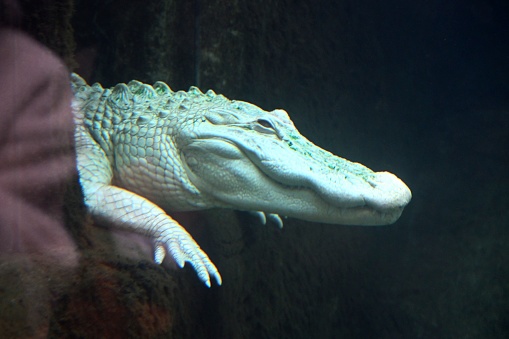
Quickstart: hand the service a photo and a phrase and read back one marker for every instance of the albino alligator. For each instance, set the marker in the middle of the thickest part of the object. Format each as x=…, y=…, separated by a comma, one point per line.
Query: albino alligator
x=142, y=149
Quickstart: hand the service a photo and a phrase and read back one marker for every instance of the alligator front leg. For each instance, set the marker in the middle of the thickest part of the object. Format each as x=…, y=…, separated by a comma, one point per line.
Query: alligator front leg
x=136, y=213
x=128, y=210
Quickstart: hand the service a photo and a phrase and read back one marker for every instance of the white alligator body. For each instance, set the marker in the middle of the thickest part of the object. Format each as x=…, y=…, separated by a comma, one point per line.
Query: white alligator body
x=145, y=150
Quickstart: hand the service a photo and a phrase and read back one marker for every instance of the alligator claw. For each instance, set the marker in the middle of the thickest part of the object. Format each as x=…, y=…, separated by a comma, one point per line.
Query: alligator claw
x=276, y=219
x=159, y=254
x=260, y=215
x=272, y=216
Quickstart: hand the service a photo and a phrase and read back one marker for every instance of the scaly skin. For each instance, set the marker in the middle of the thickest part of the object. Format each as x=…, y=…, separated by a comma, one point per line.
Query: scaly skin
x=143, y=150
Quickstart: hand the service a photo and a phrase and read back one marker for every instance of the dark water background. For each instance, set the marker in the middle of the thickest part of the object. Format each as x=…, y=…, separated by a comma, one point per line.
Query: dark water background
x=418, y=88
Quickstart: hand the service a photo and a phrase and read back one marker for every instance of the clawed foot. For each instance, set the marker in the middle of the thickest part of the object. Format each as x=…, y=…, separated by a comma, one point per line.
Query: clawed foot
x=174, y=239
x=183, y=248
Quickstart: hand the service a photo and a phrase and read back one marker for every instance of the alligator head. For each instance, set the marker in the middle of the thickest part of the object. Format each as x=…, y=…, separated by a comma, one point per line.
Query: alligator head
x=243, y=157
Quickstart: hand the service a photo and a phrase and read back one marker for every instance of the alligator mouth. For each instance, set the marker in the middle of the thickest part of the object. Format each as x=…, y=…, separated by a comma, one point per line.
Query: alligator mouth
x=376, y=199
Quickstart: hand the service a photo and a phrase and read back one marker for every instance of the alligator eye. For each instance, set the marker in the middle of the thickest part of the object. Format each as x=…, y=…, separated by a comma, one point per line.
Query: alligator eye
x=263, y=126
x=265, y=123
